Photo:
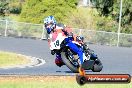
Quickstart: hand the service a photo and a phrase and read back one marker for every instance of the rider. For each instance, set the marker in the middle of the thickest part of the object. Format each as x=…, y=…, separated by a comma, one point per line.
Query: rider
x=51, y=26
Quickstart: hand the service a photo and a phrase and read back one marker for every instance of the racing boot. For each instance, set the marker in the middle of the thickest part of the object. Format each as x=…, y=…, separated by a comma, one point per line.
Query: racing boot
x=58, y=61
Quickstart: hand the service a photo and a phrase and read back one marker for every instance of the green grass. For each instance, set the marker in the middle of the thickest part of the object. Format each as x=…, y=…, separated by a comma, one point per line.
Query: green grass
x=57, y=82
x=11, y=59
x=14, y=17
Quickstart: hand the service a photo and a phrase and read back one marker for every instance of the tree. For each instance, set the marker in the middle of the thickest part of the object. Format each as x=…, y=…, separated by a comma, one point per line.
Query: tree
x=36, y=10
x=3, y=7
x=104, y=7
x=111, y=8
x=15, y=6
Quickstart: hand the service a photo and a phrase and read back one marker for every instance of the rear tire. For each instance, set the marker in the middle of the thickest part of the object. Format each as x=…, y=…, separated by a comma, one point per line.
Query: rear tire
x=68, y=63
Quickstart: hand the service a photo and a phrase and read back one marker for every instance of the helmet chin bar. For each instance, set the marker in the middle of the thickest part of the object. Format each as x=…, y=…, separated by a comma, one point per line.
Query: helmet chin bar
x=50, y=27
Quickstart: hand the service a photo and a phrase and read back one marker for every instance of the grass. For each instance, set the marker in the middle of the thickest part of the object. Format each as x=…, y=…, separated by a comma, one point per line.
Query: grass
x=42, y=81
x=11, y=59
x=14, y=17
x=51, y=82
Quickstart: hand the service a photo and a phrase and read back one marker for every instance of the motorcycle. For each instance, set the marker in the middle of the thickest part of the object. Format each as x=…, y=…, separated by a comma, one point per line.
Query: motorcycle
x=58, y=44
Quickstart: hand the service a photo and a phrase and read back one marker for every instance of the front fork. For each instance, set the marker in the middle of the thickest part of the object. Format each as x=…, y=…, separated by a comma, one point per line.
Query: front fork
x=90, y=55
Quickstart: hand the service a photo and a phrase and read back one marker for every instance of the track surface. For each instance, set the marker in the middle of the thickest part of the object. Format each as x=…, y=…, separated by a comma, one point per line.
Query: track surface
x=115, y=60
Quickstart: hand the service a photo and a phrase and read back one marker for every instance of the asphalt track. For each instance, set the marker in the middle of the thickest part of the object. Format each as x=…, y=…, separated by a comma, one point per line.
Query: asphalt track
x=116, y=60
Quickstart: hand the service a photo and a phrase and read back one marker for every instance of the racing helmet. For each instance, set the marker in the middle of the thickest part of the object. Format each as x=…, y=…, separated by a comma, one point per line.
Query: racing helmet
x=49, y=23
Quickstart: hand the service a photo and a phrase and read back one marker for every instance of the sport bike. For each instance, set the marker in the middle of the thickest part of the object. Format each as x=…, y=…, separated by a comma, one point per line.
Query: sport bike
x=71, y=59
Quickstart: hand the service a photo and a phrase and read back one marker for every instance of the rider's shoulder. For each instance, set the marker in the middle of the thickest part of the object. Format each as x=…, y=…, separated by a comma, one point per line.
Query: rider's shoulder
x=60, y=26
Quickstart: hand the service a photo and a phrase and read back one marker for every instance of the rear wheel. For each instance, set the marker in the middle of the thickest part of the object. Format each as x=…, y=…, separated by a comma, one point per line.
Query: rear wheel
x=70, y=61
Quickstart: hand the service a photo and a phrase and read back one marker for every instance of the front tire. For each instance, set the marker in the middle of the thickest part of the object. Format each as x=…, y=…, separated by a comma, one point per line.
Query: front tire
x=97, y=66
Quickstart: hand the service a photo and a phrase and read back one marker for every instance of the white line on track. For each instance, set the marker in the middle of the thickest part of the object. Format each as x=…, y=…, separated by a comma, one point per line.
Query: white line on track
x=34, y=62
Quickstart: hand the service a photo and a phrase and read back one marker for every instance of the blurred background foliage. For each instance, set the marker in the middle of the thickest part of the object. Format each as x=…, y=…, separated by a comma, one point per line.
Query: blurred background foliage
x=111, y=9
x=36, y=10
x=103, y=15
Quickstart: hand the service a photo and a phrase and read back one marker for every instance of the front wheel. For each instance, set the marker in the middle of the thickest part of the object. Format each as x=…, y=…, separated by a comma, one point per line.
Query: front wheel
x=97, y=67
